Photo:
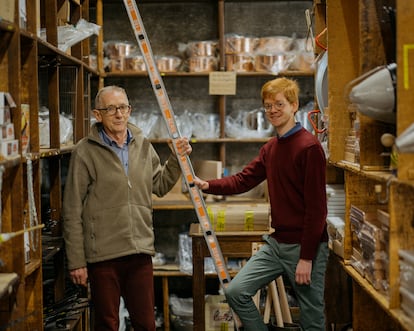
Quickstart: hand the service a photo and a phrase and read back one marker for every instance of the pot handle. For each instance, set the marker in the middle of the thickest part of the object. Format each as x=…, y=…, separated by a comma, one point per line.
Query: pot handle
x=314, y=125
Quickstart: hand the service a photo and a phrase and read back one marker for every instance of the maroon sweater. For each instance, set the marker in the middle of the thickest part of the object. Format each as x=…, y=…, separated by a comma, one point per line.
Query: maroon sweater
x=294, y=167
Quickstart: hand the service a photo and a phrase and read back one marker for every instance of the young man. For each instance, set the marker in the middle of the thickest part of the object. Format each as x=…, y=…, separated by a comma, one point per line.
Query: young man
x=294, y=165
x=107, y=212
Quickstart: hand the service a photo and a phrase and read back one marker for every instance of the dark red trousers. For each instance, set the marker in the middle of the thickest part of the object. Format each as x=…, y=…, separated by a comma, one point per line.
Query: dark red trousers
x=130, y=277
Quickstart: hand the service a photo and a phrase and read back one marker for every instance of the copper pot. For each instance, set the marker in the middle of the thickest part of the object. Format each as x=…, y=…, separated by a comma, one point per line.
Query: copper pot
x=239, y=62
x=202, y=63
x=240, y=45
x=135, y=63
x=273, y=45
x=119, y=48
x=202, y=48
x=117, y=64
x=168, y=63
x=303, y=61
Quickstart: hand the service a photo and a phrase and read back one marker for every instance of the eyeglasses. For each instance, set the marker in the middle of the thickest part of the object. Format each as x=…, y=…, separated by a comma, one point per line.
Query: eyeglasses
x=278, y=106
x=112, y=109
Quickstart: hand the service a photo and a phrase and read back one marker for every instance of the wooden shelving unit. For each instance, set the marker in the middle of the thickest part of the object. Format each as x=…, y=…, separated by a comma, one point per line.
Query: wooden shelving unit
x=216, y=19
x=355, y=46
x=33, y=72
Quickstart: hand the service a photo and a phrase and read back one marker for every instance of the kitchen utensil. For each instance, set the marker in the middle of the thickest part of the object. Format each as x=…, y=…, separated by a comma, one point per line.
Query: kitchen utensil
x=168, y=63
x=236, y=44
x=273, y=63
x=240, y=62
x=303, y=61
x=135, y=63
x=202, y=63
x=116, y=48
x=202, y=48
x=273, y=44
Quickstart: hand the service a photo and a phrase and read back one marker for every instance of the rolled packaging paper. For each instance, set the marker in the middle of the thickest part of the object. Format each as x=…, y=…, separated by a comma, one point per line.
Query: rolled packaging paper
x=405, y=141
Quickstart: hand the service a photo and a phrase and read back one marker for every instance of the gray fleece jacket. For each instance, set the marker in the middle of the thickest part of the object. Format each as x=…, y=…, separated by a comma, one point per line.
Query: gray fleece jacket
x=107, y=213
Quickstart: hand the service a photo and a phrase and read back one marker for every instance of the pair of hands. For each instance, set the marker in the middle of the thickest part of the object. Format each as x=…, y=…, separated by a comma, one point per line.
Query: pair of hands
x=184, y=148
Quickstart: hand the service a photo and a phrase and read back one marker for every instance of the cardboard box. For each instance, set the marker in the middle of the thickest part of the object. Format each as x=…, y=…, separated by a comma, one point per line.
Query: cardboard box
x=6, y=102
x=5, y=115
x=338, y=247
x=9, y=148
x=7, y=10
x=239, y=216
x=7, y=131
x=218, y=315
x=208, y=169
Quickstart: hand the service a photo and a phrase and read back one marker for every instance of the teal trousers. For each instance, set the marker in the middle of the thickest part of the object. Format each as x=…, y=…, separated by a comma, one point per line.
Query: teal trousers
x=271, y=261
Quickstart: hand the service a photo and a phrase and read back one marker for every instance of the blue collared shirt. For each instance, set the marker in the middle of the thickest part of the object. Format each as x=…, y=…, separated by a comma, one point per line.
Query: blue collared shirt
x=293, y=130
x=121, y=152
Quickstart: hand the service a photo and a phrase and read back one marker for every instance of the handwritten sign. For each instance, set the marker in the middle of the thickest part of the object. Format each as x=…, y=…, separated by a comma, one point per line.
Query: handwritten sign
x=222, y=83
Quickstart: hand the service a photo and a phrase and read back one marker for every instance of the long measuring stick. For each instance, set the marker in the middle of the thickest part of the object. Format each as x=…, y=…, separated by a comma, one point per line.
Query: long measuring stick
x=184, y=160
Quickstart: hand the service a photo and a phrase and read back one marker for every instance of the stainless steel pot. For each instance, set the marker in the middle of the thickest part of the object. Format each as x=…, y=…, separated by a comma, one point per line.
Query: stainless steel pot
x=273, y=63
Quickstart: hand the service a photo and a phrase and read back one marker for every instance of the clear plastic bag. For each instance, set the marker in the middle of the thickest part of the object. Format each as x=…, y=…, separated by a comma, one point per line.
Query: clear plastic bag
x=69, y=35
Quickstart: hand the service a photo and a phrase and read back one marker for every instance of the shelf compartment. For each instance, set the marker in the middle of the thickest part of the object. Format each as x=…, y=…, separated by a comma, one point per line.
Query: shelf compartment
x=8, y=282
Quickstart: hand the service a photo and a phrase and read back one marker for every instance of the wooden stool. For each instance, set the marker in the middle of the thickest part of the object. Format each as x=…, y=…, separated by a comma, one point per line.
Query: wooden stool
x=276, y=293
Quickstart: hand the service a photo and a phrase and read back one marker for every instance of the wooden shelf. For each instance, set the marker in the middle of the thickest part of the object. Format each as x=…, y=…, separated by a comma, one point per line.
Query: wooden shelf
x=290, y=73
x=51, y=247
x=7, y=283
x=32, y=73
x=350, y=58
x=379, y=297
x=32, y=266
x=218, y=140
x=10, y=162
